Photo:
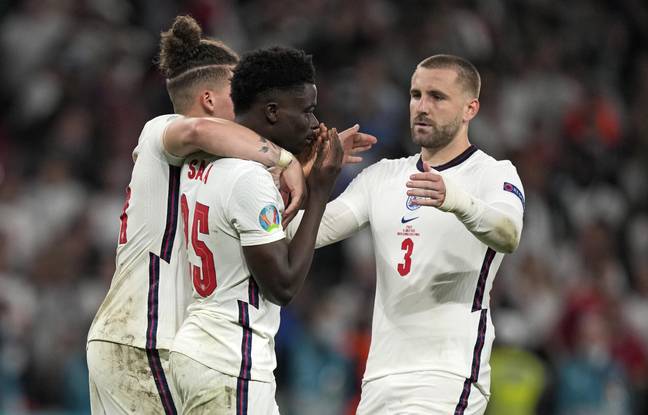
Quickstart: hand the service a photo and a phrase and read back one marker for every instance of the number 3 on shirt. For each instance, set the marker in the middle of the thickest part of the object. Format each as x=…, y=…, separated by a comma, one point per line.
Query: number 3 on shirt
x=204, y=278
x=408, y=247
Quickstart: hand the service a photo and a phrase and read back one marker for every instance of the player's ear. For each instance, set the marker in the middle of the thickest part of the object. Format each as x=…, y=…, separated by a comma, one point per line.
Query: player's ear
x=207, y=101
x=271, y=112
x=471, y=109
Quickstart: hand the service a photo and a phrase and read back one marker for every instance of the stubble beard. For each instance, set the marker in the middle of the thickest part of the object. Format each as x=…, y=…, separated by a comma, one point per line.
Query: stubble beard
x=439, y=137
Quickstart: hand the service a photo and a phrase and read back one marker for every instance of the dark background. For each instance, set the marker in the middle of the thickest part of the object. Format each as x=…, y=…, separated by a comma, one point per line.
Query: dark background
x=565, y=91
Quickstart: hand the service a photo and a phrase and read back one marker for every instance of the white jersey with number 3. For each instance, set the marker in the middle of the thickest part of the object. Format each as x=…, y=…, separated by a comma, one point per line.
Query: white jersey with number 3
x=228, y=204
x=433, y=275
x=148, y=294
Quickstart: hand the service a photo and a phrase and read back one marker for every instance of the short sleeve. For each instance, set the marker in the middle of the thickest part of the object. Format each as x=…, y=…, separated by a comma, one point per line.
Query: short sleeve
x=501, y=184
x=153, y=137
x=255, y=207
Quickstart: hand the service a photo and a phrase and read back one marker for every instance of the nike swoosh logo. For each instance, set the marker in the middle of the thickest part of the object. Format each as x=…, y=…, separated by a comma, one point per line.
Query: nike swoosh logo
x=403, y=220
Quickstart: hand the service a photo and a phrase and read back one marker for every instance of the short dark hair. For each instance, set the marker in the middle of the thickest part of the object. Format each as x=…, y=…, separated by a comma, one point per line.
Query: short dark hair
x=467, y=74
x=266, y=70
x=187, y=59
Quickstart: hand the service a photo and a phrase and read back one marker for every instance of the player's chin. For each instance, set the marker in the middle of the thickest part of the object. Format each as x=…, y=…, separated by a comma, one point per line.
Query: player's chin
x=420, y=139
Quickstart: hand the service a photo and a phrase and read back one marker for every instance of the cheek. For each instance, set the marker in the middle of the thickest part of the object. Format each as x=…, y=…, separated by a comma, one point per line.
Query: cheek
x=302, y=123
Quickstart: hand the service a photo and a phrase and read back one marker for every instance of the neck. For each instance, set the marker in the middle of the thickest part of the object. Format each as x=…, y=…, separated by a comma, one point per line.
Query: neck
x=196, y=111
x=255, y=124
x=439, y=156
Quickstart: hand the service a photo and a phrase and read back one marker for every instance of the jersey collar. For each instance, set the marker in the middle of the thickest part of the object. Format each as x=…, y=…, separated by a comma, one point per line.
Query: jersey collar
x=454, y=162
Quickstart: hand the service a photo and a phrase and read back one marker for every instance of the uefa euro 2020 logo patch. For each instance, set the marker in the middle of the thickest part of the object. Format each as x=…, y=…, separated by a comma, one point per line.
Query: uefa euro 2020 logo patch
x=410, y=203
x=269, y=218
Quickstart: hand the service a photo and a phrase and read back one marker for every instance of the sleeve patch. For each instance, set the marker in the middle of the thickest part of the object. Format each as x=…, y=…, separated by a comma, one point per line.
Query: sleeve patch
x=509, y=187
x=270, y=218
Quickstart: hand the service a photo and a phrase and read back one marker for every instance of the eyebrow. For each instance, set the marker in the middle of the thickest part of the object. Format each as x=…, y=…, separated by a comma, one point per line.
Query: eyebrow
x=437, y=92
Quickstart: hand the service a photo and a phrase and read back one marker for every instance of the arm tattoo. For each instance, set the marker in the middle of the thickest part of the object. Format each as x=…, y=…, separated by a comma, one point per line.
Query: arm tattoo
x=270, y=143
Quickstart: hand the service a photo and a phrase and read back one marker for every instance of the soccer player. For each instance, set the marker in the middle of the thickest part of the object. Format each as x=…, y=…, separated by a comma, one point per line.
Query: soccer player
x=131, y=334
x=441, y=222
x=242, y=267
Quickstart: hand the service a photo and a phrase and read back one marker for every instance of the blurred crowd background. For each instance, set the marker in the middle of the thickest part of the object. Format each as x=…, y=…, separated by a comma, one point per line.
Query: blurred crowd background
x=565, y=92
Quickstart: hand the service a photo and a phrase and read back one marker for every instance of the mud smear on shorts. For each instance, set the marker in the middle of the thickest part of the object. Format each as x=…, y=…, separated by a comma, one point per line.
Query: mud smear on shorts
x=136, y=379
x=214, y=401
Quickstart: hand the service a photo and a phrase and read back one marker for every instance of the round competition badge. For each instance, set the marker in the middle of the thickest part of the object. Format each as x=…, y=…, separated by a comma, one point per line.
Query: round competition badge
x=269, y=218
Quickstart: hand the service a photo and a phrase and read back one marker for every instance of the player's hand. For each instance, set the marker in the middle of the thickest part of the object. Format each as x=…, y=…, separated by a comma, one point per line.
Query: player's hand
x=328, y=160
x=293, y=189
x=307, y=156
x=428, y=187
x=355, y=142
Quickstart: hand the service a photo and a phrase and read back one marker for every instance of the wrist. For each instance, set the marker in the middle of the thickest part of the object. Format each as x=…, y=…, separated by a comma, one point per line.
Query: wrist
x=456, y=199
x=285, y=158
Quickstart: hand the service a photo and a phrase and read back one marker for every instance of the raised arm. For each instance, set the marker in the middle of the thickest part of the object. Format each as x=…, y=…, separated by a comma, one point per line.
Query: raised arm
x=498, y=225
x=220, y=137
x=281, y=267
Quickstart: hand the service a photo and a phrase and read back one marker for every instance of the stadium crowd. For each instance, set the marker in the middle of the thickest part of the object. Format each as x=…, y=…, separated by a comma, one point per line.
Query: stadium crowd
x=565, y=87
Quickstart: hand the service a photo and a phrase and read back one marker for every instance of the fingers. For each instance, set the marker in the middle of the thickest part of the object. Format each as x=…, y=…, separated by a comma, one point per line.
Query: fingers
x=362, y=149
x=428, y=188
x=336, y=146
x=322, y=131
x=428, y=176
x=426, y=201
x=296, y=198
x=424, y=184
x=362, y=139
x=352, y=159
x=350, y=131
x=288, y=218
x=320, y=147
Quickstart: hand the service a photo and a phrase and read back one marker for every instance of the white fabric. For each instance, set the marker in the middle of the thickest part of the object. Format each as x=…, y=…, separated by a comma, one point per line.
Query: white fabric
x=136, y=310
x=202, y=390
x=419, y=393
x=117, y=387
x=498, y=225
x=235, y=192
x=428, y=266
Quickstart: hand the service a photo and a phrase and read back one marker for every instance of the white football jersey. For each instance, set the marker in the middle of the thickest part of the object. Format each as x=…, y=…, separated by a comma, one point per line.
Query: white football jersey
x=228, y=204
x=433, y=275
x=148, y=295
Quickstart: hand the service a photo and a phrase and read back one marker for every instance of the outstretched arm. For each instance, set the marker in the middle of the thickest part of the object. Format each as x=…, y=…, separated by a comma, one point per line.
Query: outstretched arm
x=498, y=225
x=338, y=223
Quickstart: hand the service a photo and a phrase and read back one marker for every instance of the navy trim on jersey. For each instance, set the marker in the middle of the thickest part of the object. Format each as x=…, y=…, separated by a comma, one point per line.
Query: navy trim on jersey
x=246, y=360
x=454, y=162
x=476, y=362
x=172, y=213
x=253, y=292
x=242, y=386
x=152, y=303
x=151, y=336
x=483, y=276
x=481, y=332
x=463, y=399
x=160, y=382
